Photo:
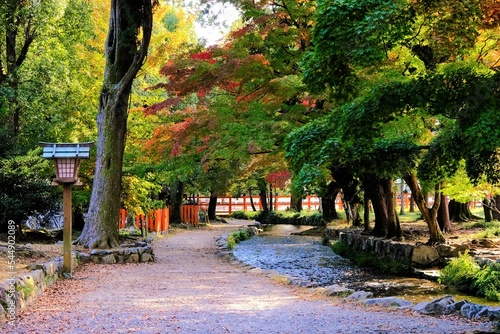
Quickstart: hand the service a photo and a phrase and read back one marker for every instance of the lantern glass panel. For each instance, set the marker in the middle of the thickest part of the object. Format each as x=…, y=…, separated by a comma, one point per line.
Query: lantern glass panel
x=66, y=168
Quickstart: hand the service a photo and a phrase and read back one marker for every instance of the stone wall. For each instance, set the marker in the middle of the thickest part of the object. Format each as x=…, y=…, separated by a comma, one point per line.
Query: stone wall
x=418, y=256
x=22, y=290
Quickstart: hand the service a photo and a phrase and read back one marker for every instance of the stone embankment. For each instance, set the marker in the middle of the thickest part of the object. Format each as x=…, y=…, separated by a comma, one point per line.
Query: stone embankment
x=23, y=290
x=418, y=256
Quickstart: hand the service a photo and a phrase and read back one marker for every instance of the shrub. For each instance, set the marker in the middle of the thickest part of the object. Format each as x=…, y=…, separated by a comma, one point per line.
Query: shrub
x=290, y=217
x=246, y=215
x=487, y=282
x=460, y=273
x=231, y=243
x=243, y=235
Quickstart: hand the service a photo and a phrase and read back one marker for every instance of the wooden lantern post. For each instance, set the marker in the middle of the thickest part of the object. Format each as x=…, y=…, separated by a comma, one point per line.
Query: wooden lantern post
x=67, y=162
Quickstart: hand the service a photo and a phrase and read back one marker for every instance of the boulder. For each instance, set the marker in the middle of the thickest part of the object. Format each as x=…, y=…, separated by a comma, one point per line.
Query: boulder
x=359, y=295
x=389, y=302
x=424, y=255
x=494, y=313
x=439, y=306
x=336, y=290
x=108, y=259
x=472, y=311
x=460, y=249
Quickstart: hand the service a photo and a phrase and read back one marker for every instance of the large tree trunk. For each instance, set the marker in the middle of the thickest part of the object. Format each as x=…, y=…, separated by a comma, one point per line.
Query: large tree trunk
x=375, y=192
x=328, y=202
x=296, y=203
x=488, y=215
x=212, y=206
x=393, y=225
x=429, y=214
x=176, y=196
x=129, y=21
x=460, y=212
x=443, y=217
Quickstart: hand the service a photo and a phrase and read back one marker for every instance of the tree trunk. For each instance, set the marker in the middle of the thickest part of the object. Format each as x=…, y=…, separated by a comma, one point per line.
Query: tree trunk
x=393, y=225
x=176, y=195
x=412, y=204
x=296, y=203
x=443, y=217
x=270, y=197
x=130, y=20
x=328, y=203
x=488, y=216
x=496, y=201
x=402, y=197
x=212, y=206
x=251, y=200
x=366, y=212
x=375, y=192
x=460, y=212
x=263, y=195
x=429, y=214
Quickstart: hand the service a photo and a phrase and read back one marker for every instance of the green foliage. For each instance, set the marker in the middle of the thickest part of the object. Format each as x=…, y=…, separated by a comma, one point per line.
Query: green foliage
x=246, y=215
x=491, y=229
x=231, y=242
x=290, y=217
x=25, y=187
x=236, y=237
x=487, y=282
x=460, y=272
x=465, y=274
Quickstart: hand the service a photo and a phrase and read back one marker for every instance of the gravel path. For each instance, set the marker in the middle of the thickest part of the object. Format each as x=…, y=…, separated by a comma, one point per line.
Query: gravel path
x=191, y=289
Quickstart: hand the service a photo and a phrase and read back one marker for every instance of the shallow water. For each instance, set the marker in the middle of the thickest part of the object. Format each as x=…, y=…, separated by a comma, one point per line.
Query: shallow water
x=306, y=258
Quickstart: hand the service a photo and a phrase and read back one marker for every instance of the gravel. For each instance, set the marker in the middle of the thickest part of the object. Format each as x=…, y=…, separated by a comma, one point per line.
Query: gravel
x=192, y=289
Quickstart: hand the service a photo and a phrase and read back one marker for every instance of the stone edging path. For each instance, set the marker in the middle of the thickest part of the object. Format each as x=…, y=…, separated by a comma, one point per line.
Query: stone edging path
x=192, y=289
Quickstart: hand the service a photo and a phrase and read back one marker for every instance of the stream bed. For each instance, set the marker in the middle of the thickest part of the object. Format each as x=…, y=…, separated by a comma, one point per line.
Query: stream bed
x=305, y=257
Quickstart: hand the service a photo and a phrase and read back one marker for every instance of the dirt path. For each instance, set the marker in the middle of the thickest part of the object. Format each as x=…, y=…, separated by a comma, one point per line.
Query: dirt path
x=191, y=289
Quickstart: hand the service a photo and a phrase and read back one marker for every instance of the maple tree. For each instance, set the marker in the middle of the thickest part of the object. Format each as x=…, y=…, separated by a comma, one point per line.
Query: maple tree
x=234, y=103
x=404, y=92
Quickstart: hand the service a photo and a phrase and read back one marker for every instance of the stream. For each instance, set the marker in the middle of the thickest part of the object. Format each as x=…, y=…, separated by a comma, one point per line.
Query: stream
x=306, y=258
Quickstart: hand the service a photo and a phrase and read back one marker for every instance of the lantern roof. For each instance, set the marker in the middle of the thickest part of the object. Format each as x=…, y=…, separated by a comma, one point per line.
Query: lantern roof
x=66, y=150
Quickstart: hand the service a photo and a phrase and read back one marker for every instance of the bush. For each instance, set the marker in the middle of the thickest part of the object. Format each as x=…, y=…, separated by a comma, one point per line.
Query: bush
x=231, y=242
x=487, y=282
x=466, y=275
x=236, y=237
x=290, y=217
x=460, y=273
x=246, y=215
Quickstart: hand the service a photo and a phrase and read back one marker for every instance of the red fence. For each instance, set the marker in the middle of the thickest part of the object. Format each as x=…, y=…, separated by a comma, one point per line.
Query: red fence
x=159, y=220
x=227, y=205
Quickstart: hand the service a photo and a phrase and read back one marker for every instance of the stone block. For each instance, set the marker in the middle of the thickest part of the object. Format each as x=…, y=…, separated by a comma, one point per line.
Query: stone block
x=444, y=250
x=424, y=255
x=460, y=249
x=133, y=258
x=108, y=259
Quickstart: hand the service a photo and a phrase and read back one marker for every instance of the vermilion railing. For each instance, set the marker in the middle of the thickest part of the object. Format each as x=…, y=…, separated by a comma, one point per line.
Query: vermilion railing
x=159, y=220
